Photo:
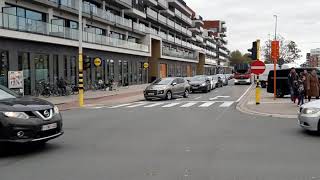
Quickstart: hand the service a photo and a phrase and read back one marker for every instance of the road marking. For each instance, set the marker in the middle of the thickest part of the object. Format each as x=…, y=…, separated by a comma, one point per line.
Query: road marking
x=226, y=104
x=171, y=105
x=198, y=97
x=219, y=97
x=244, y=93
x=121, y=105
x=178, y=99
x=155, y=104
x=189, y=104
x=207, y=104
x=136, y=105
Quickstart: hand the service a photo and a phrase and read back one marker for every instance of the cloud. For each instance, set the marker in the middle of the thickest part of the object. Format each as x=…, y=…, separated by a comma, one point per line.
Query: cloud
x=248, y=20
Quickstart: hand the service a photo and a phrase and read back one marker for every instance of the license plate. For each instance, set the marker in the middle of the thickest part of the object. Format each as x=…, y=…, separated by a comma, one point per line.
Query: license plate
x=151, y=93
x=49, y=127
x=194, y=87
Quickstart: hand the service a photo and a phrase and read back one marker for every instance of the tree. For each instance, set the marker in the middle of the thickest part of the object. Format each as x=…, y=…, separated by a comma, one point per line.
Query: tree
x=236, y=57
x=289, y=51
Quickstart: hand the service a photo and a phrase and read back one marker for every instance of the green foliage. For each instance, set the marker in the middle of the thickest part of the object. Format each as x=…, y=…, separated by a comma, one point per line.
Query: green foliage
x=236, y=57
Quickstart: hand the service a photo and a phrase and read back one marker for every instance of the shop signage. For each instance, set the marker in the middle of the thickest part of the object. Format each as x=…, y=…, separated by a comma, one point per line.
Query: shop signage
x=15, y=79
x=146, y=65
x=97, y=62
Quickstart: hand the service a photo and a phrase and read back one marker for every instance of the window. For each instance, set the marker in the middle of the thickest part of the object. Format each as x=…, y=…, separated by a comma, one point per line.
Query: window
x=24, y=65
x=41, y=62
x=55, y=68
x=120, y=72
x=65, y=61
x=180, y=81
x=73, y=67
x=4, y=67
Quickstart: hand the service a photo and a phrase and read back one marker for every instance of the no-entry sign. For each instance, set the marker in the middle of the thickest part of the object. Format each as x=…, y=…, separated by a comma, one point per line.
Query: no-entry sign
x=257, y=67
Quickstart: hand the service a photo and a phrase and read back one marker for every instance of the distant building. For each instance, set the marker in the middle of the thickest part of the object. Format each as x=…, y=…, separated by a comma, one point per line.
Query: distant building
x=313, y=58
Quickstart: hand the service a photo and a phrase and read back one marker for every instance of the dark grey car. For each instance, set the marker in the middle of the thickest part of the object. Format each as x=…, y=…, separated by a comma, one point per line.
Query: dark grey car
x=167, y=88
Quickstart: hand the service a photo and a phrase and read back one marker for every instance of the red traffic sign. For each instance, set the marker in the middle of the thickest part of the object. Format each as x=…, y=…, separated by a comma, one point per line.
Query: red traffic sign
x=257, y=67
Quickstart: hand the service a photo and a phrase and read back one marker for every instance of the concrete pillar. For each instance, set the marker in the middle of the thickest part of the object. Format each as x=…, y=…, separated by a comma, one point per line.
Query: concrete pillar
x=127, y=36
x=13, y=59
x=122, y=13
x=108, y=30
x=50, y=14
x=2, y=4
x=104, y=5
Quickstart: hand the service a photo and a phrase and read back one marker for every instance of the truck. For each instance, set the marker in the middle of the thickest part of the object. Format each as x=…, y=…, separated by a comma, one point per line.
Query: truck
x=242, y=74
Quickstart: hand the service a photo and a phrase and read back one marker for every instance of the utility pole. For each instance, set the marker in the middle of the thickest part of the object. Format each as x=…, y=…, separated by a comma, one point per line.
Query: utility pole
x=276, y=26
x=80, y=86
x=275, y=63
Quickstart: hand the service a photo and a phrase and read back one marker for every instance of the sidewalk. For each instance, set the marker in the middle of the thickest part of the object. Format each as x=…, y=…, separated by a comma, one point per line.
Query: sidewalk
x=94, y=98
x=281, y=107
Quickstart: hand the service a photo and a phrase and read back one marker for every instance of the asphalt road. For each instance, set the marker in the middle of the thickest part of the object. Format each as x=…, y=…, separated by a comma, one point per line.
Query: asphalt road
x=194, y=139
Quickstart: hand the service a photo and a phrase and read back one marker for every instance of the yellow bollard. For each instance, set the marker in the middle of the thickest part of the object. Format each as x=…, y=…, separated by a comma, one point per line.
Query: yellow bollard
x=258, y=92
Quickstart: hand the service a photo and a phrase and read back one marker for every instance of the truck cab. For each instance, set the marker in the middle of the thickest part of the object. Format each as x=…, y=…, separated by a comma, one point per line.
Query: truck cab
x=242, y=74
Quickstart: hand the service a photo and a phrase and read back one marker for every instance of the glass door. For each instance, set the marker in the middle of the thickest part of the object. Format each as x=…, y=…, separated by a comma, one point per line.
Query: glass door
x=4, y=67
x=24, y=65
x=41, y=62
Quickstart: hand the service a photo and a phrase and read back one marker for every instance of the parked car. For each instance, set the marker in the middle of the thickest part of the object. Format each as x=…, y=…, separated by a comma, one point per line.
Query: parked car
x=218, y=80
x=224, y=79
x=200, y=83
x=282, y=80
x=167, y=88
x=27, y=119
x=210, y=79
x=309, y=116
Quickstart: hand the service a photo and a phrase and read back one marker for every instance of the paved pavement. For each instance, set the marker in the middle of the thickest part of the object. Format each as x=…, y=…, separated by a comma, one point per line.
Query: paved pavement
x=169, y=143
x=279, y=107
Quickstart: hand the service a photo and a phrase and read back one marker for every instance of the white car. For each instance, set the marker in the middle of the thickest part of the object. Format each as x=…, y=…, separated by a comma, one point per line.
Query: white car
x=309, y=116
x=224, y=79
x=212, y=82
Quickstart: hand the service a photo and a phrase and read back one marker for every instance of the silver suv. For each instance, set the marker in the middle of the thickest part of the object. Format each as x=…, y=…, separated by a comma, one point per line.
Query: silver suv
x=167, y=88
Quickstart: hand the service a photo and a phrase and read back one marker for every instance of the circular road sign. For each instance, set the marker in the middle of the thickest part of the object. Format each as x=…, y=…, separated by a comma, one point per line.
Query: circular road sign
x=97, y=61
x=257, y=67
x=146, y=65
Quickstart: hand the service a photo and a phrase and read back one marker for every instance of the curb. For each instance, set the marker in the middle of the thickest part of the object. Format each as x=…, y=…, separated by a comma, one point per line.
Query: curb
x=241, y=107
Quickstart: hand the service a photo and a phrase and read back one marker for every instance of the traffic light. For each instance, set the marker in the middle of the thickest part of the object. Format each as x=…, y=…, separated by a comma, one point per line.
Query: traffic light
x=254, y=51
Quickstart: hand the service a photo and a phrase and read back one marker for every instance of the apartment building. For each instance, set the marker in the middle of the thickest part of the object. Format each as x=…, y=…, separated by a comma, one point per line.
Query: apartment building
x=40, y=38
x=313, y=58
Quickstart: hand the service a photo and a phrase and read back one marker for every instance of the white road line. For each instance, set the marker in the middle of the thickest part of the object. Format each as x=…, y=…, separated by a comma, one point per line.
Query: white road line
x=178, y=99
x=121, y=105
x=155, y=104
x=198, y=97
x=207, y=104
x=171, y=105
x=226, y=104
x=217, y=97
x=244, y=93
x=136, y=105
x=189, y=104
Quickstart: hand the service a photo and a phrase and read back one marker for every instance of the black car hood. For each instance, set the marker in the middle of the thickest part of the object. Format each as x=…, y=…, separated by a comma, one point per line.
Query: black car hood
x=24, y=104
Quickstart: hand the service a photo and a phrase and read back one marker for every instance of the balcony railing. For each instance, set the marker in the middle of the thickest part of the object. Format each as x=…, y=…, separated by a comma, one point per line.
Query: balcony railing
x=170, y=38
x=66, y=3
x=177, y=41
x=123, y=21
x=177, y=27
x=179, y=54
x=139, y=27
x=164, y=3
x=151, y=31
x=184, y=43
x=189, y=33
x=163, y=35
x=162, y=19
x=170, y=23
x=38, y=27
x=199, y=38
x=177, y=13
x=153, y=14
x=129, y=2
x=183, y=30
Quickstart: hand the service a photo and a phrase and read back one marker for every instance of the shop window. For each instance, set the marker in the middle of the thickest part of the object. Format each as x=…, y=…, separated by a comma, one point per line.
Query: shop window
x=24, y=65
x=125, y=73
x=41, y=62
x=4, y=67
x=140, y=67
x=73, y=67
x=65, y=64
x=120, y=72
x=55, y=68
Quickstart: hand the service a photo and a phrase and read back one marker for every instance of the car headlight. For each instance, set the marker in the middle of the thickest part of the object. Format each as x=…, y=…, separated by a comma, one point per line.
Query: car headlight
x=310, y=110
x=56, y=110
x=203, y=84
x=19, y=115
x=161, y=92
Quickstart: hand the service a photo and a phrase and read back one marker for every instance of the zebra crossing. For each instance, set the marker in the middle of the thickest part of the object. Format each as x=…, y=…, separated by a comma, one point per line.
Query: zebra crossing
x=175, y=104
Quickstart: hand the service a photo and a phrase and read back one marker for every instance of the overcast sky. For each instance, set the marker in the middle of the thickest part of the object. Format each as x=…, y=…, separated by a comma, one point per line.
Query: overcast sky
x=248, y=20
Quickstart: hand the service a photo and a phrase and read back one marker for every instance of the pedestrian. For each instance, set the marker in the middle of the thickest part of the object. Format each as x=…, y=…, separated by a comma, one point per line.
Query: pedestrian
x=313, y=85
x=301, y=90
x=306, y=76
x=292, y=79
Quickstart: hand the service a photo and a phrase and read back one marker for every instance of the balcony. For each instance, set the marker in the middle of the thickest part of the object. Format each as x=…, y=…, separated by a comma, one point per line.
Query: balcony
x=189, y=33
x=162, y=19
x=66, y=3
x=152, y=14
x=201, y=29
x=139, y=27
x=177, y=41
x=163, y=4
x=150, y=30
x=166, y=51
x=123, y=22
x=177, y=27
x=42, y=28
x=183, y=30
x=151, y=2
x=186, y=19
x=170, y=23
x=177, y=13
x=170, y=38
x=184, y=43
x=177, y=4
x=163, y=35
x=125, y=3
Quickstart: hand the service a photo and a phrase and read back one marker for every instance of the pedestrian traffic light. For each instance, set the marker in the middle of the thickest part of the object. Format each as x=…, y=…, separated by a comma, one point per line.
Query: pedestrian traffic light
x=254, y=51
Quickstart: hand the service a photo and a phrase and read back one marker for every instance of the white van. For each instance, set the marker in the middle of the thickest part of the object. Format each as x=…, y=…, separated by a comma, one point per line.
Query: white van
x=263, y=78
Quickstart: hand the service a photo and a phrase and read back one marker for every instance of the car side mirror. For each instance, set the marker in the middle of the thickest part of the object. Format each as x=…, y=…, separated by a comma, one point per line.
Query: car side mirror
x=174, y=83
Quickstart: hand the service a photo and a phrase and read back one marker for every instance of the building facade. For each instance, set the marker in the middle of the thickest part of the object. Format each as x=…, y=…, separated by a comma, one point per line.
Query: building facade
x=313, y=58
x=40, y=38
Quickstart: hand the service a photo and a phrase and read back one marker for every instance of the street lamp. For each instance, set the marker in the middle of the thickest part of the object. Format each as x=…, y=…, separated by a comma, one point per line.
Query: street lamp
x=275, y=29
x=80, y=57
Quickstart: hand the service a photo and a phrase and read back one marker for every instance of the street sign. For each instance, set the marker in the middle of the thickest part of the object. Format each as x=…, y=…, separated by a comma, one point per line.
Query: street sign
x=257, y=67
x=275, y=50
x=97, y=62
x=146, y=65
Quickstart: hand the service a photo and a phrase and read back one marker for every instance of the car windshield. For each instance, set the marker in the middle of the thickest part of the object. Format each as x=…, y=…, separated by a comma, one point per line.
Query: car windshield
x=198, y=78
x=162, y=82
x=6, y=93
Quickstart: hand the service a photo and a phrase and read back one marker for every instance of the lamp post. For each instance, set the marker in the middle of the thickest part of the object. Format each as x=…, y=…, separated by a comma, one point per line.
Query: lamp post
x=81, y=103
x=275, y=29
x=275, y=62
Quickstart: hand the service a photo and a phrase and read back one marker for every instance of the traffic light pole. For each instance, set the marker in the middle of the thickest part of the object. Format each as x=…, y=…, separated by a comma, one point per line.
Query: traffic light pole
x=258, y=88
x=80, y=86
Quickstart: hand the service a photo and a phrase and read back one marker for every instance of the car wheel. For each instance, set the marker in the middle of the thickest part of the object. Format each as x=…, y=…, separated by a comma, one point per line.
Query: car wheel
x=186, y=93
x=169, y=95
